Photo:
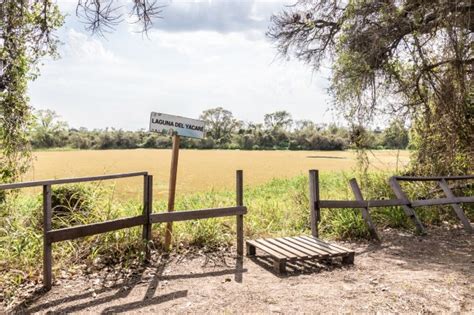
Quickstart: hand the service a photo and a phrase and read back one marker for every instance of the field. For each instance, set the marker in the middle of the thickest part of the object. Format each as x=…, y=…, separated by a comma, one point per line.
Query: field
x=201, y=170
x=276, y=194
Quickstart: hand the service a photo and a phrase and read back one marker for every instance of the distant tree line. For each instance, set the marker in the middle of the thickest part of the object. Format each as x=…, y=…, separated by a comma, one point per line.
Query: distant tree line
x=223, y=131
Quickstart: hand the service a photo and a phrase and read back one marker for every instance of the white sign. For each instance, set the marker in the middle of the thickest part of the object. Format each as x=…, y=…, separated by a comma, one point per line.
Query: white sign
x=170, y=124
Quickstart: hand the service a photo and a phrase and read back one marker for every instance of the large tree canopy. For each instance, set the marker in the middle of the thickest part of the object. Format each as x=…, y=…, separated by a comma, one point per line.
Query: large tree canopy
x=26, y=35
x=404, y=57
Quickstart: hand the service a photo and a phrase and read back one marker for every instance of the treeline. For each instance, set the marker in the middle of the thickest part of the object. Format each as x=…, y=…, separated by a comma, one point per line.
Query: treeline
x=223, y=131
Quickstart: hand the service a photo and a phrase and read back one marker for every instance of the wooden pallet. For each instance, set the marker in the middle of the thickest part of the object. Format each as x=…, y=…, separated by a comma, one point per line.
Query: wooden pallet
x=298, y=248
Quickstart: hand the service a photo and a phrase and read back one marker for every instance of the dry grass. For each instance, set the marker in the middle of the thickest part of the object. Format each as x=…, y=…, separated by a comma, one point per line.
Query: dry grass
x=200, y=170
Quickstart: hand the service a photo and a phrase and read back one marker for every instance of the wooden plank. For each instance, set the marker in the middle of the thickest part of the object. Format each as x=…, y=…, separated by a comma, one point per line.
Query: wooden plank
x=339, y=204
x=92, y=229
x=319, y=252
x=266, y=249
x=47, y=245
x=365, y=211
x=172, y=189
x=457, y=208
x=433, y=178
x=335, y=245
x=407, y=208
x=441, y=201
x=348, y=259
x=240, y=217
x=279, y=266
x=250, y=249
x=197, y=214
x=342, y=204
x=70, y=180
x=286, y=254
x=314, y=201
x=387, y=203
x=288, y=248
x=301, y=247
x=316, y=245
x=333, y=249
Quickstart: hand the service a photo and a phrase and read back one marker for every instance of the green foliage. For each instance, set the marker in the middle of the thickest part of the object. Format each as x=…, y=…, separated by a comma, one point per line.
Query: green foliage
x=278, y=134
x=395, y=136
x=26, y=37
x=73, y=204
x=220, y=124
x=47, y=131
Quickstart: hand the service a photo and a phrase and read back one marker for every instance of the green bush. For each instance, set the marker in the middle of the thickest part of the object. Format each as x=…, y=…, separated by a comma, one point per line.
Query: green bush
x=73, y=204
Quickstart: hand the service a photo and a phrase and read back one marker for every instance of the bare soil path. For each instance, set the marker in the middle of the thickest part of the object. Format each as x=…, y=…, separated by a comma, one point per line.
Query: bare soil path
x=405, y=273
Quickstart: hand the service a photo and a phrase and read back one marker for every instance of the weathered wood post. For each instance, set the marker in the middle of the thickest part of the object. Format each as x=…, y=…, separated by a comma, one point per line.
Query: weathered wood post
x=240, y=217
x=147, y=211
x=457, y=208
x=314, y=201
x=47, y=245
x=409, y=211
x=365, y=211
x=172, y=188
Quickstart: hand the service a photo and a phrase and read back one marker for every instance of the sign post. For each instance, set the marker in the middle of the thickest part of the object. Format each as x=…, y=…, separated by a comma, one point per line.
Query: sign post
x=176, y=126
x=172, y=188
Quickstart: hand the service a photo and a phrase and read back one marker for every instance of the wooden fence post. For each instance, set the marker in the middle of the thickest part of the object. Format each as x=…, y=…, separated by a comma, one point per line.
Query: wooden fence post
x=47, y=245
x=147, y=211
x=408, y=210
x=365, y=211
x=457, y=208
x=314, y=201
x=240, y=217
x=172, y=189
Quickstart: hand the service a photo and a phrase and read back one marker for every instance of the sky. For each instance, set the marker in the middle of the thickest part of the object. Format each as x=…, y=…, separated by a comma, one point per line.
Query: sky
x=200, y=55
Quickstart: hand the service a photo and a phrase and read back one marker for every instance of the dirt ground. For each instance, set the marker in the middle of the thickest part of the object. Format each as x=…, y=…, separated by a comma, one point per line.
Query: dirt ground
x=405, y=273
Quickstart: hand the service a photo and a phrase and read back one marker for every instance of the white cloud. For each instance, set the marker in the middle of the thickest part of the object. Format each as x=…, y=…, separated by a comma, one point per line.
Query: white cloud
x=117, y=81
x=84, y=48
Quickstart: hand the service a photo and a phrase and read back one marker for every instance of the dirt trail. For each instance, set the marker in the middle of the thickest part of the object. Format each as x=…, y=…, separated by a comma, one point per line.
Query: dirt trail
x=406, y=273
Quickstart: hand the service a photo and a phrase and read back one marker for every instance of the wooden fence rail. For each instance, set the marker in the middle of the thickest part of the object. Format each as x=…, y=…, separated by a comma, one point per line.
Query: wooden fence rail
x=146, y=220
x=403, y=201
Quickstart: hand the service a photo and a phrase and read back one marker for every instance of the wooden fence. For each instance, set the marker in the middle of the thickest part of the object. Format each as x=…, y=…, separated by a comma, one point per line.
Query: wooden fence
x=146, y=220
x=403, y=201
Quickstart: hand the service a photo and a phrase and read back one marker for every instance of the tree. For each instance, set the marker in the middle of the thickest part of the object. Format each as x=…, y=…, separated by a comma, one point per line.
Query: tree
x=220, y=124
x=26, y=35
x=280, y=120
x=47, y=130
x=408, y=57
x=395, y=136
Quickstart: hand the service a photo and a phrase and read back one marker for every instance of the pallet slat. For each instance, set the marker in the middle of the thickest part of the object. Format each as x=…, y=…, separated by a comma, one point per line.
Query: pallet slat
x=266, y=249
x=330, y=251
x=295, y=252
x=306, y=247
x=288, y=255
x=330, y=245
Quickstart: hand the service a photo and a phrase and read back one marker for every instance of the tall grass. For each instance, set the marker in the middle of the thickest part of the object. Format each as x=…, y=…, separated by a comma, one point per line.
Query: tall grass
x=277, y=208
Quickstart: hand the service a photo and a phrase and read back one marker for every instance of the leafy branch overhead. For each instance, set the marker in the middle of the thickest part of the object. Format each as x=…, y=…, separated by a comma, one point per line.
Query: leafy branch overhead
x=411, y=58
x=26, y=35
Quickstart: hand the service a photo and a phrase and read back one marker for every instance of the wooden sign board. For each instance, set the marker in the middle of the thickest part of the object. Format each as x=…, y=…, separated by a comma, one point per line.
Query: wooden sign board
x=181, y=126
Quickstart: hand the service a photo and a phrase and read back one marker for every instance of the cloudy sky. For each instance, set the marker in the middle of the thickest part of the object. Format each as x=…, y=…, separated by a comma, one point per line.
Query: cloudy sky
x=202, y=54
